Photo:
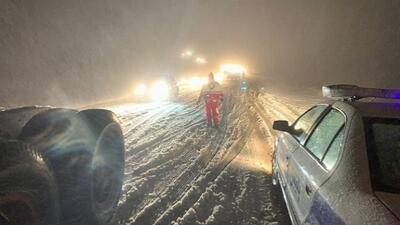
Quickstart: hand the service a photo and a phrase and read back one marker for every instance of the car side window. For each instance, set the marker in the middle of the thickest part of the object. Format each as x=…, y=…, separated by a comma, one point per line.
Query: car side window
x=323, y=135
x=330, y=158
x=303, y=125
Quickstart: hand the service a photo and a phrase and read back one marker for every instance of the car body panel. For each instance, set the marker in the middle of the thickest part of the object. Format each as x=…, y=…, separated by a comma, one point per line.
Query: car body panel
x=321, y=213
x=391, y=201
x=379, y=109
x=348, y=190
x=344, y=194
x=288, y=144
x=305, y=176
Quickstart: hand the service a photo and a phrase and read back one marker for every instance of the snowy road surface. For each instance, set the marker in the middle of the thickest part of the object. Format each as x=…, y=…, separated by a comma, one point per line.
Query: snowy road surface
x=179, y=171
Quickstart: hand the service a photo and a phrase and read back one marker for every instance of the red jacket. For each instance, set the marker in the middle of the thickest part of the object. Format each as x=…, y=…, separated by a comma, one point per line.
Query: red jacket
x=213, y=96
x=211, y=92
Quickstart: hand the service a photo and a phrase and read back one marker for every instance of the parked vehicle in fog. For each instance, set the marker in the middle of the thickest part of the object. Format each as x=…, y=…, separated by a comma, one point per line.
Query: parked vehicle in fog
x=339, y=162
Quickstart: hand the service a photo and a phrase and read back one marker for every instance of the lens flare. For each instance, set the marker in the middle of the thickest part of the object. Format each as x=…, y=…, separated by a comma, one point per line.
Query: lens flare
x=201, y=60
x=198, y=81
x=187, y=54
x=160, y=91
x=219, y=77
x=140, y=90
x=232, y=68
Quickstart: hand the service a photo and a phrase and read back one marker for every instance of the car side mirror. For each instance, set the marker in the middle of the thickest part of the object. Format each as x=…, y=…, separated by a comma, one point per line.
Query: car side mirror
x=281, y=125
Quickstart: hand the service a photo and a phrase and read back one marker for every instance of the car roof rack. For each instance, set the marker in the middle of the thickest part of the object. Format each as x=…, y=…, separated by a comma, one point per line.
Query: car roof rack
x=353, y=92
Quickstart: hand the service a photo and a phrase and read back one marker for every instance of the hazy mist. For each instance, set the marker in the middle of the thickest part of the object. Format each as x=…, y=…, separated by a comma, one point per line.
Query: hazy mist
x=74, y=52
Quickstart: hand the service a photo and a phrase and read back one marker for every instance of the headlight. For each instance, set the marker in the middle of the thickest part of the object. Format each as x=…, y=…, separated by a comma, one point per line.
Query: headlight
x=198, y=82
x=233, y=69
x=219, y=77
x=160, y=91
x=140, y=90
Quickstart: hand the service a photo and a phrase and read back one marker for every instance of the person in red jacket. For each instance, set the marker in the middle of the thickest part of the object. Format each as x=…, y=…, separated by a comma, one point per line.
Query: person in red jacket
x=212, y=95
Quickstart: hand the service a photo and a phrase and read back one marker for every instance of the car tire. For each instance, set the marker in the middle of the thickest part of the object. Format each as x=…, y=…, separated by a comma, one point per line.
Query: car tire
x=86, y=151
x=28, y=193
x=276, y=191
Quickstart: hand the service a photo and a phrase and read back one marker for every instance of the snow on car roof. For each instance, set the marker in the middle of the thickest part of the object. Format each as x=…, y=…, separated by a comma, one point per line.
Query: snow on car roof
x=353, y=92
x=378, y=109
x=372, y=102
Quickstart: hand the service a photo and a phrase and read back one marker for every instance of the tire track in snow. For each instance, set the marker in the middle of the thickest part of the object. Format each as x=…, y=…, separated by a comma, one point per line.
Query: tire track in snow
x=144, y=123
x=162, y=144
x=180, y=184
x=239, y=195
x=192, y=194
x=213, y=170
x=132, y=205
x=174, y=190
x=161, y=183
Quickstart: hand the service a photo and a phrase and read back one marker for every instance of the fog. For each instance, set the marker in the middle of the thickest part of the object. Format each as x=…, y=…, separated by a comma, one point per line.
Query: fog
x=71, y=53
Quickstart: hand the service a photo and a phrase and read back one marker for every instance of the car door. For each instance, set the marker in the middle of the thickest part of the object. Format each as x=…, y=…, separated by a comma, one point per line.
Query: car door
x=312, y=161
x=289, y=142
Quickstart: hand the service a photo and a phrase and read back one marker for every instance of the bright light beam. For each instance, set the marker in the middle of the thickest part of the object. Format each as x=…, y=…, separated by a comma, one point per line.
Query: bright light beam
x=219, y=77
x=140, y=90
x=160, y=91
x=187, y=53
x=233, y=68
x=201, y=60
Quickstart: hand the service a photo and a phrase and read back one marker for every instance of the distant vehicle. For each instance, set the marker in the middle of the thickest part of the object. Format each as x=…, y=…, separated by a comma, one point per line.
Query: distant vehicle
x=157, y=90
x=232, y=72
x=59, y=166
x=233, y=76
x=339, y=162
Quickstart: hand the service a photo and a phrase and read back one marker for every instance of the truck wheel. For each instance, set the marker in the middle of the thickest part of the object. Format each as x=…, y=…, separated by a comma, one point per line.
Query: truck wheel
x=104, y=176
x=86, y=152
x=28, y=193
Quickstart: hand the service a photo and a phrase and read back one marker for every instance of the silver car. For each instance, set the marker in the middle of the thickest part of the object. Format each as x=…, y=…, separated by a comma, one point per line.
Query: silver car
x=339, y=162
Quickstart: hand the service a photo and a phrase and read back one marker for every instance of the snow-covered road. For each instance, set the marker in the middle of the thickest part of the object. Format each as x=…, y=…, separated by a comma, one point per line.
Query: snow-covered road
x=179, y=171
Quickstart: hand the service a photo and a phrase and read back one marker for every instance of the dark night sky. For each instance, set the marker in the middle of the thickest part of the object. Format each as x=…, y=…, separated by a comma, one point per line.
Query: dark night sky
x=76, y=52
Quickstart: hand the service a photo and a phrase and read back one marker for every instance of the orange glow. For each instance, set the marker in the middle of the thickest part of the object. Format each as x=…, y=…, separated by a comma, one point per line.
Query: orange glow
x=140, y=90
x=187, y=53
x=256, y=156
x=232, y=68
x=219, y=77
x=201, y=60
x=198, y=81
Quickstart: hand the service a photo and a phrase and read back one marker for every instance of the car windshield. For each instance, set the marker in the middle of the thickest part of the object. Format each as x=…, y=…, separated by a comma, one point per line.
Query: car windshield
x=383, y=143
